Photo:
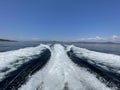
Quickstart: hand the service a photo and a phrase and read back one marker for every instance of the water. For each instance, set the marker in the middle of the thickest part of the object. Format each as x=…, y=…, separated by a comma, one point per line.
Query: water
x=8, y=46
x=68, y=67
x=106, y=48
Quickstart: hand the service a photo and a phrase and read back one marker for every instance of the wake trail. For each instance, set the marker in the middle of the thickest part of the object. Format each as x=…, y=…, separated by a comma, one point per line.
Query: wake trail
x=36, y=60
x=104, y=65
x=60, y=73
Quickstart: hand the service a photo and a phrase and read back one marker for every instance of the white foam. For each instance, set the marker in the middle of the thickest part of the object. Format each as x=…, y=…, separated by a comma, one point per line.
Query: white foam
x=60, y=70
x=104, y=60
x=8, y=59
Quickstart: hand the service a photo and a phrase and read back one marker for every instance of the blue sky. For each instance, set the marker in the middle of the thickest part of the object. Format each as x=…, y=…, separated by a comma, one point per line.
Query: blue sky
x=59, y=19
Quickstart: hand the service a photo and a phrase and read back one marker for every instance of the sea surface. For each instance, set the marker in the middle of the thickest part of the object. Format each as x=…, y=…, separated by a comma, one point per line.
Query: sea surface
x=112, y=48
x=59, y=66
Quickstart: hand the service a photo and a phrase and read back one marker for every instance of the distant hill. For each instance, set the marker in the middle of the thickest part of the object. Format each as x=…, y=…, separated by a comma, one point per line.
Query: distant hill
x=6, y=40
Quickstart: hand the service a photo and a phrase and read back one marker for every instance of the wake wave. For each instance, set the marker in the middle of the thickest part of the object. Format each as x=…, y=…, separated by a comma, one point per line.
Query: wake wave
x=105, y=65
x=61, y=71
x=11, y=60
x=109, y=60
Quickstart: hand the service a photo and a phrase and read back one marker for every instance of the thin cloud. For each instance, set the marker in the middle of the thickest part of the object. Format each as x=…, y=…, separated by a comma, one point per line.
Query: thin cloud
x=114, y=38
x=97, y=38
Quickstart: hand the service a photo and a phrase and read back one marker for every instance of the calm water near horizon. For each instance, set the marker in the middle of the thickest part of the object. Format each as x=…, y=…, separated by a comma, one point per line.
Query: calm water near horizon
x=106, y=48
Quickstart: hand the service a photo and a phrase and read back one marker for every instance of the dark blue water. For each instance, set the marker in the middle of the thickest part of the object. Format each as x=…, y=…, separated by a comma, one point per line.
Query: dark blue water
x=8, y=46
x=106, y=48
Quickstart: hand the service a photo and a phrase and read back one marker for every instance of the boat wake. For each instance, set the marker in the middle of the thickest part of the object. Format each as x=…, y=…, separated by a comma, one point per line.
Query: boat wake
x=59, y=68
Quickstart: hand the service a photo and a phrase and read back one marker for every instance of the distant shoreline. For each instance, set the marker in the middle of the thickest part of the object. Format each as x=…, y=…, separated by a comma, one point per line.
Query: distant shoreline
x=7, y=40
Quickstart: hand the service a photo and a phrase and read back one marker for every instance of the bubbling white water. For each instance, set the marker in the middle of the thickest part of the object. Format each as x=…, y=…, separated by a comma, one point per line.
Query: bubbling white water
x=60, y=73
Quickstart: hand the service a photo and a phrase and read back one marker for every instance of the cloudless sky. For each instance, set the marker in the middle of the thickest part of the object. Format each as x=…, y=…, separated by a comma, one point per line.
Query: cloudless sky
x=59, y=19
